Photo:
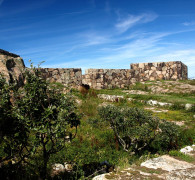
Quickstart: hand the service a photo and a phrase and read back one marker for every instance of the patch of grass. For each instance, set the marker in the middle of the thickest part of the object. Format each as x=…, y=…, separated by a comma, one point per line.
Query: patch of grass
x=189, y=81
x=151, y=171
x=174, y=115
x=111, y=91
x=139, y=86
x=181, y=156
x=89, y=106
x=171, y=98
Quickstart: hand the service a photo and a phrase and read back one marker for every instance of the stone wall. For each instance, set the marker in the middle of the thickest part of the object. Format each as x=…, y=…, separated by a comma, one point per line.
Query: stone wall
x=108, y=78
x=69, y=77
x=161, y=70
x=12, y=67
x=111, y=78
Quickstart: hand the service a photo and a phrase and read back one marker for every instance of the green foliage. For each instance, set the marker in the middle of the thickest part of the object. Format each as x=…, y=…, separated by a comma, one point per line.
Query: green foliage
x=46, y=117
x=177, y=106
x=136, y=130
x=187, y=136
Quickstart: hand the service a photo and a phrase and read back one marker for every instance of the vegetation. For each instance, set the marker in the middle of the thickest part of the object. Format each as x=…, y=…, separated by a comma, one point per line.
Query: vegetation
x=181, y=156
x=38, y=128
x=40, y=119
x=136, y=130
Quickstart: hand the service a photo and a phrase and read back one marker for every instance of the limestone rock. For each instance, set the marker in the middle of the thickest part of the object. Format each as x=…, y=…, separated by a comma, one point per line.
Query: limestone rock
x=188, y=149
x=188, y=106
x=155, y=103
x=166, y=163
x=12, y=67
x=112, y=98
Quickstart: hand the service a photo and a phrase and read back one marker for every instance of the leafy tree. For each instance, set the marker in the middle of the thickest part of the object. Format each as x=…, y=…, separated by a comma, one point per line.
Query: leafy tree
x=136, y=130
x=12, y=132
x=47, y=117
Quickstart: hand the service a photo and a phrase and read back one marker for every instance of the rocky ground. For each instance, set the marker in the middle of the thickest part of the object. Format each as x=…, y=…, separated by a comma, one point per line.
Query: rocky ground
x=164, y=167
x=170, y=87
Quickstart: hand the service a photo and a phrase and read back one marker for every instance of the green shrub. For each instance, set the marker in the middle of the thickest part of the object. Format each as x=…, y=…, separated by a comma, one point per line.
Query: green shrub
x=187, y=136
x=136, y=130
x=177, y=106
x=42, y=118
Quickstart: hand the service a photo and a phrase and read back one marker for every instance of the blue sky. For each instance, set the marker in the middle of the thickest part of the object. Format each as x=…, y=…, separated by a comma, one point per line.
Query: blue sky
x=99, y=33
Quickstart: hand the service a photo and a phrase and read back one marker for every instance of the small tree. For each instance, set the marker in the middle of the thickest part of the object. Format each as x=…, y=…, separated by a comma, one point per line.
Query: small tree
x=137, y=130
x=47, y=116
x=13, y=135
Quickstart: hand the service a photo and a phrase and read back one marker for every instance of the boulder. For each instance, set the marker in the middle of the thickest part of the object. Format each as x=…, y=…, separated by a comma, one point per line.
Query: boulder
x=188, y=106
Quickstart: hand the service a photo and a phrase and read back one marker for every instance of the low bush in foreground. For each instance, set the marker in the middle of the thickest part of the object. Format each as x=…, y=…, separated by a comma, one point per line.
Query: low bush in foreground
x=136, y=130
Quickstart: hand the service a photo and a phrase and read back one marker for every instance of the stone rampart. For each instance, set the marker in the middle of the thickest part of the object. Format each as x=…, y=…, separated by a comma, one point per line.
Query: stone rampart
x=12, y=66
x=111, y=78
x=69, y=77
x=108, y=78
x=161, y=70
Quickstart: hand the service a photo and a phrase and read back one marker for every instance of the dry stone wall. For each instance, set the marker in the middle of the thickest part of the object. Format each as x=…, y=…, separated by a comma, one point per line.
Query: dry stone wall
x=161, y=70
x=108, y=78
x=12, y=66
x=111, y=78
x=69, y=77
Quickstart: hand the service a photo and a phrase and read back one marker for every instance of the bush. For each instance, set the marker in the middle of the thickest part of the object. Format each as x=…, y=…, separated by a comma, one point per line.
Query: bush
x=43, y=118
x=136, y=130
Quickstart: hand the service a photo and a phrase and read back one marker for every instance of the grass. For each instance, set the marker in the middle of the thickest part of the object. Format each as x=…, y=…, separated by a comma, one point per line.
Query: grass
x=95, y=141
x=189, y=81
x=171, y=98
x=175, y=115
x=140, y=86
x=181, y=156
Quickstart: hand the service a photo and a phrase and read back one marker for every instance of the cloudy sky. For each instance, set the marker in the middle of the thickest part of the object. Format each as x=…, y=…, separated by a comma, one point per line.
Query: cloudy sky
x=99, y=33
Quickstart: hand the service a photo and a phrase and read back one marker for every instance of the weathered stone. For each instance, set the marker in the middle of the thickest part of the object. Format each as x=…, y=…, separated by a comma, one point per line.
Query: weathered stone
x=111, y=78
x=188, y=149
x=12, y=67
x=188, y=106
x=166, y=163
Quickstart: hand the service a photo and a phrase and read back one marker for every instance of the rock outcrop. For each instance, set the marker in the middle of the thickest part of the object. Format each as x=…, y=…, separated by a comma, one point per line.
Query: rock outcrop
x=11, y=66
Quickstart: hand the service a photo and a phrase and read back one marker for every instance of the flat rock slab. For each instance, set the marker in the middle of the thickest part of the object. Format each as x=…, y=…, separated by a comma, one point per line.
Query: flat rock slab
x=167, y=163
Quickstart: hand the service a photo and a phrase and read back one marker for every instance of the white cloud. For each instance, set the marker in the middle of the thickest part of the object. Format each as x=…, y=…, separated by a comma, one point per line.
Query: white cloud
x=132, y=20
x=93, y=38
x=189, y=23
